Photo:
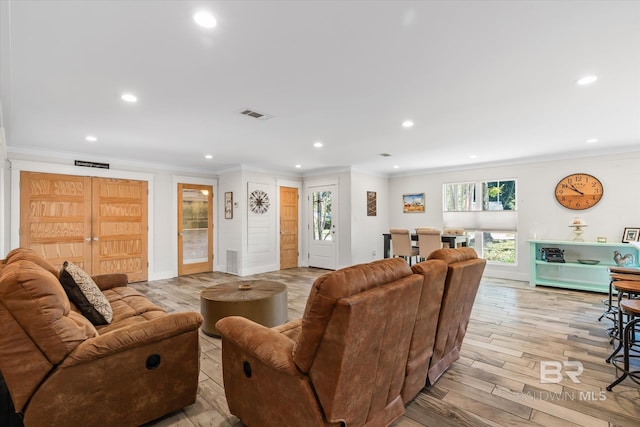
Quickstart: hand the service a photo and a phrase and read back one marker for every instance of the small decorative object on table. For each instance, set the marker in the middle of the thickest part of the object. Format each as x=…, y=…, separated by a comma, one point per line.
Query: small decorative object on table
x=552, y=254
x=589, y=261
x=577, y=224
x=623, y=260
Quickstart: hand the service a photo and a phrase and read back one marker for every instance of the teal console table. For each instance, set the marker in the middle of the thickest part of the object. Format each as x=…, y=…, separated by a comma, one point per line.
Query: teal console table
x=572, y=274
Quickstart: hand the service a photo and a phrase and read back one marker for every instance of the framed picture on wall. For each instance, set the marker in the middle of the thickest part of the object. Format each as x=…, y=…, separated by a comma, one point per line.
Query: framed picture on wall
x=228, y=205
x=631, y=234
x=372, y=208
x=413, y=203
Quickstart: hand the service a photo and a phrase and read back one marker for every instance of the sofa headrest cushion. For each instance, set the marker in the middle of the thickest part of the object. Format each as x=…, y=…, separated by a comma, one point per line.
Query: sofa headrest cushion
x=30, y=255
x=329, y=288
x=35, y=298
x=451, y=255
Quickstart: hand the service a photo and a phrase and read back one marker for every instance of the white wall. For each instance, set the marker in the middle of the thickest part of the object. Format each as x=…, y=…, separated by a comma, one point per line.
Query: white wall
x=366, y=231
x=239, y=234
x=539, y=214
x=230, y=231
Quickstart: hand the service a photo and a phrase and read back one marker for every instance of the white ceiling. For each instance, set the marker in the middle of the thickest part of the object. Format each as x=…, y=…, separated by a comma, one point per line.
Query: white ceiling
x=494, y=79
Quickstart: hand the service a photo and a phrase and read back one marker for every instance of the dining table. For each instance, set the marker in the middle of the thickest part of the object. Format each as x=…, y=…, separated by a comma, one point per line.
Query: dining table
x=452, y=239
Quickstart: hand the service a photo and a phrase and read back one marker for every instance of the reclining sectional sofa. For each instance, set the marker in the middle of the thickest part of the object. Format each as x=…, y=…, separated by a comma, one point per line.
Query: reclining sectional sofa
x=371, y=338
x=62, y=370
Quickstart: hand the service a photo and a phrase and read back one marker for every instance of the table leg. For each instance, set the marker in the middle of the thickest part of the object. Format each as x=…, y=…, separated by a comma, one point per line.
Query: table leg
x=387, y=245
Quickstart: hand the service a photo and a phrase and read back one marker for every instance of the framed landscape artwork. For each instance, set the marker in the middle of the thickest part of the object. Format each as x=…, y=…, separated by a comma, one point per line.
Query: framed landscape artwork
x=413, y=203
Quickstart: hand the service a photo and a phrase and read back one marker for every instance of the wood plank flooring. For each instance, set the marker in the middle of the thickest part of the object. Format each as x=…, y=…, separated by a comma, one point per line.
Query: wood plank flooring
x=496, y=382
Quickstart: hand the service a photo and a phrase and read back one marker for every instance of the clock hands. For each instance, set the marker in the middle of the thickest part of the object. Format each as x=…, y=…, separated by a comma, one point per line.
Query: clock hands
x=573, y=187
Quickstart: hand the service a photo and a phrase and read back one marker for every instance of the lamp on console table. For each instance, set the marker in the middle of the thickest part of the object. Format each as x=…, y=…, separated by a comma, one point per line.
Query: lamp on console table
x=578, y=224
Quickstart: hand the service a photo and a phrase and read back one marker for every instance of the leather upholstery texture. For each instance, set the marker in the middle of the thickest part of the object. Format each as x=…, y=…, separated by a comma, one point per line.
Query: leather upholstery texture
x=61, y=370
x=362, y=350
x=464, y=272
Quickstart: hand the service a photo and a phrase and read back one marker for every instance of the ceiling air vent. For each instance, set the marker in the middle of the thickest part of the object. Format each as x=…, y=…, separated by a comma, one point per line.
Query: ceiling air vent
x=255, y=114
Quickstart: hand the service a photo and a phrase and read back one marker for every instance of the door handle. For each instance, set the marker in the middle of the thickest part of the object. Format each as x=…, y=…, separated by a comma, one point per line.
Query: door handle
x=96, y=239
x=180, y=234
x=87, y=239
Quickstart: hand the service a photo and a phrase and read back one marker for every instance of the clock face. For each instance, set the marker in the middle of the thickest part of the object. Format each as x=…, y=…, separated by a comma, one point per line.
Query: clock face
x=258, y=202
x=579, y=191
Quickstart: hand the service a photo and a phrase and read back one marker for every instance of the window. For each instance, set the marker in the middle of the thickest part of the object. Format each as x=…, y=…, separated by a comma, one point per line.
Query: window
x=487, y=212
x=322, y=202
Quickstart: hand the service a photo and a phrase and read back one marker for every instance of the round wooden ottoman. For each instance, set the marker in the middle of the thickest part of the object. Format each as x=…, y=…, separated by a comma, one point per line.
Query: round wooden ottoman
x=262, y=301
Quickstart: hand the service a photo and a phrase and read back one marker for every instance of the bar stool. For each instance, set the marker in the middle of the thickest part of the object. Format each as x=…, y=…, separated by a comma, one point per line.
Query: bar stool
x=632, y=309
x=617, y=274
x=632, y=289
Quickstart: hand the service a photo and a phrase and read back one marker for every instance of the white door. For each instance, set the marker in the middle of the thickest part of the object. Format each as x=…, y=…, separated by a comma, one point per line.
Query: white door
x=323, y=208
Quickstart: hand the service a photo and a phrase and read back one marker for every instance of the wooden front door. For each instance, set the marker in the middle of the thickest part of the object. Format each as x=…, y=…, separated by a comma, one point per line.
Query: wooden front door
x=99, y=224
x=195, y=228
x=288, y=227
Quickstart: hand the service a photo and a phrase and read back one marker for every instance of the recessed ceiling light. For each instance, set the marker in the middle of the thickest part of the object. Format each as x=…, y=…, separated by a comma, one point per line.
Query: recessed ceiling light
x=592, y=141
x=91, y=138
x=129, y=97
x=318, y=144
x=407, y=124
x=208, y=156
x=587, y=80
x=396, y=166
x=205, y=19
x=298, y=166
x=473, y=156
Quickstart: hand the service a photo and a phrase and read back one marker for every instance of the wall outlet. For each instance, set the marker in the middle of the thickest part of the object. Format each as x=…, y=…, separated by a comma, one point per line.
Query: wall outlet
x=374, y=253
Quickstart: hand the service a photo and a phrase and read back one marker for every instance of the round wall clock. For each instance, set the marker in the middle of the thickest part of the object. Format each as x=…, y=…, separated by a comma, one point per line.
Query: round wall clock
x=579, y=191
x=258, y=202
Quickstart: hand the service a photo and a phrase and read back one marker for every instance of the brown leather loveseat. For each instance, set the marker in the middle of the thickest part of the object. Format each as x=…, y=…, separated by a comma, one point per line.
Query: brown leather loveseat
x=61, y=370
x=361, y=351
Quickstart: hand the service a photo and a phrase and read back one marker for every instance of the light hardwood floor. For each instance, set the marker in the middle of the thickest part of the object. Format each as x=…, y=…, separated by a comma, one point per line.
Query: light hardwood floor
x=496, y=382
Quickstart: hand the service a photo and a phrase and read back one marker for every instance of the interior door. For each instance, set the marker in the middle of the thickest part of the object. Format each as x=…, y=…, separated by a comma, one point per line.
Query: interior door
x=55, y=217
x=119, y=224
x=99, y=224
x=195, y=228
x=323, y=208
x=288, y=227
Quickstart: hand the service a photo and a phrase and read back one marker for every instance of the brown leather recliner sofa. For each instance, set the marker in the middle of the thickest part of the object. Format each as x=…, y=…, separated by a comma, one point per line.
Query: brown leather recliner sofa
x=61, y=370
x=464, y=272
x=362, y=350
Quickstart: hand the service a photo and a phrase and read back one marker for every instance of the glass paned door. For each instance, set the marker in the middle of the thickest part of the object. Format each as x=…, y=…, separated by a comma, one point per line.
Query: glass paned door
x=195, y=223
x=324, y=217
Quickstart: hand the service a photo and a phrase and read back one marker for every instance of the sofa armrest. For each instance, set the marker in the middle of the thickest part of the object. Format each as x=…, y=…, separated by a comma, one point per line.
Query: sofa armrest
x=134, y=336
x=269, y=346
x=109, y=281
